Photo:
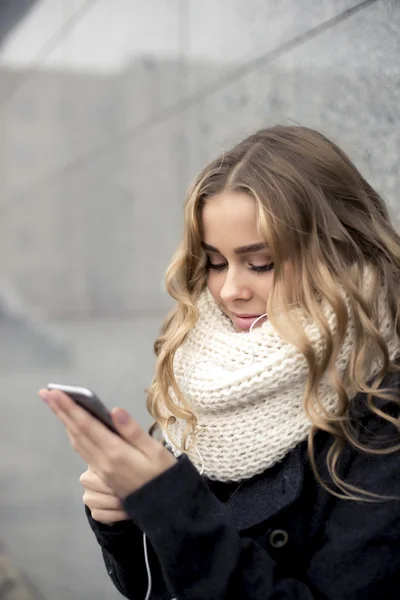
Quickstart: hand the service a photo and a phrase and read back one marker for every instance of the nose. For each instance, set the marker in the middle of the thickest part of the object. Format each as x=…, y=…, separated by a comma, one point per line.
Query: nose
x=234, y=288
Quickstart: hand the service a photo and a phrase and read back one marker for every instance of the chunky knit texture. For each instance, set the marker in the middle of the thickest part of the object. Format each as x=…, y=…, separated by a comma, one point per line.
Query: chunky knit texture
x=247, y=391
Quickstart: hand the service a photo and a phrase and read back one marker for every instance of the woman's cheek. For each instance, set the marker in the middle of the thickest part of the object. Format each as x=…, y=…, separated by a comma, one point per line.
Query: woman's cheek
x=214, y=285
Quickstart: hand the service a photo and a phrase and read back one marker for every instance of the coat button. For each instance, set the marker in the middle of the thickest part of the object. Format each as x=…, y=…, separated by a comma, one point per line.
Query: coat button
x=278, y=538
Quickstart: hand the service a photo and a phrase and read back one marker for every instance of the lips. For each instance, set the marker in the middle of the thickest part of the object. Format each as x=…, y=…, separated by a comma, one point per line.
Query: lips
x=244, y=322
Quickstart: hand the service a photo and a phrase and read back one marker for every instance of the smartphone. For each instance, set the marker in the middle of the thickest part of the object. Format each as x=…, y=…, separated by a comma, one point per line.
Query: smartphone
x=87, y=400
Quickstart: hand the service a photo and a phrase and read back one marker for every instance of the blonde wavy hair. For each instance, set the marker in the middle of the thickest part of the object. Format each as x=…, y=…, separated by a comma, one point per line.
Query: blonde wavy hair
x=318, y=214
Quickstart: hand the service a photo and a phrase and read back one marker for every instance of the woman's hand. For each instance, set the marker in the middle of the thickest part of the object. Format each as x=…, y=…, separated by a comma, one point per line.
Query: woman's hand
x=124, y=463
x=104, y=505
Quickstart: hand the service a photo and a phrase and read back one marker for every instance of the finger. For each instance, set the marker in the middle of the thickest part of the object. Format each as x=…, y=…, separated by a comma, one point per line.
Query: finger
x=56, y=400
x=101, y=501
x=109, y=517
x=70, y=436
x=90, y=438
x=91, y=469
x=79, y=442
x=97, y=473
x=91, y=481
x=131, y=431
x=78, y=445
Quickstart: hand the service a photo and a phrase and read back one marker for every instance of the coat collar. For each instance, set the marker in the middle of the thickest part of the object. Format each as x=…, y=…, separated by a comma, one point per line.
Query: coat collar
x=265, y=495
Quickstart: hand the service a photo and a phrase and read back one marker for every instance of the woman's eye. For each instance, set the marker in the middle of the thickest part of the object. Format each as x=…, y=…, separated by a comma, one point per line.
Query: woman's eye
x=216, y=267
x=254, y=268
x=262, y=268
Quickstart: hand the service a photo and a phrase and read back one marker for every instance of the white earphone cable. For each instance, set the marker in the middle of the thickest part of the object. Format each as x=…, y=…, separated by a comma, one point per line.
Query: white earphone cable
x=146, y=560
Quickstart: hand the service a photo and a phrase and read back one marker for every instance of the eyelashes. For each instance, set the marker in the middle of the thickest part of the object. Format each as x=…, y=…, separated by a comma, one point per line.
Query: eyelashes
x=253, y=268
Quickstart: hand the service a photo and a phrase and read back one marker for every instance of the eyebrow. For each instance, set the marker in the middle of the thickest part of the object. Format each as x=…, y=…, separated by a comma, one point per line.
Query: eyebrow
x=240, y=250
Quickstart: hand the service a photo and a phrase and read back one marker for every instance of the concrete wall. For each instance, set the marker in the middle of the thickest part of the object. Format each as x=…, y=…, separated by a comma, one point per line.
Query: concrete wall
x=98, y=164
x=94, y=164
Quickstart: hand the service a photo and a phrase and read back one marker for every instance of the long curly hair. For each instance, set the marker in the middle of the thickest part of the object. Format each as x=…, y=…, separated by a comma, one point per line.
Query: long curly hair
x=318, y=214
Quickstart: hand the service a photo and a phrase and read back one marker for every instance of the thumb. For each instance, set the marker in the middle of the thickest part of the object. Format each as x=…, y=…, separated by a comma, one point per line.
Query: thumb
x=131, y=431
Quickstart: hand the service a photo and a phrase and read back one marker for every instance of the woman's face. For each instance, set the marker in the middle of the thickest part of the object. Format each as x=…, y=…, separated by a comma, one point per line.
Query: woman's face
x=240, y=268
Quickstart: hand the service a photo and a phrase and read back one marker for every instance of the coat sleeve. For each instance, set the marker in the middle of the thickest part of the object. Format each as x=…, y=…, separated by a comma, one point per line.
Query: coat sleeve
x=203, y=556
x=123, y=553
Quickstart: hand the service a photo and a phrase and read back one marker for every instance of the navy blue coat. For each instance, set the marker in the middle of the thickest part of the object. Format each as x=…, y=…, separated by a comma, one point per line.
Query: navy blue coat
x=281, y=535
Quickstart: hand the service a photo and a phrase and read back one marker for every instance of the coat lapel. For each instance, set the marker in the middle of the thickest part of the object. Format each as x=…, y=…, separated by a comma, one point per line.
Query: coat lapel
x=265, y=495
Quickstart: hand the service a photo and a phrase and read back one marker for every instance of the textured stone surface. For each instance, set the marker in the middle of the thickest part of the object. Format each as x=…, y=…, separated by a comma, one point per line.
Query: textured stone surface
x=344, y=82
x=95, y=239
x=83, y=241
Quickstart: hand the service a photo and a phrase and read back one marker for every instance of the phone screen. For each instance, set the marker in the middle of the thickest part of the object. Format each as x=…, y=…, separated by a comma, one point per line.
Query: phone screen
x=87, y=400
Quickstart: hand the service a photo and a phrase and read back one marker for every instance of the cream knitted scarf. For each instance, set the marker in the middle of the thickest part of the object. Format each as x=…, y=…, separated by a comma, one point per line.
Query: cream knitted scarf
x=247, y=391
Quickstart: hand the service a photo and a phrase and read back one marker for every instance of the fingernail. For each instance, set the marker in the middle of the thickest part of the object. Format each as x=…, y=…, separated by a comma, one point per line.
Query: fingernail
x=43, y=394
x=122, y=417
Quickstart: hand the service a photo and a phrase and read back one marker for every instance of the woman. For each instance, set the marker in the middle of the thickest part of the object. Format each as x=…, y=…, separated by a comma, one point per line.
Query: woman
x=275, y=393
